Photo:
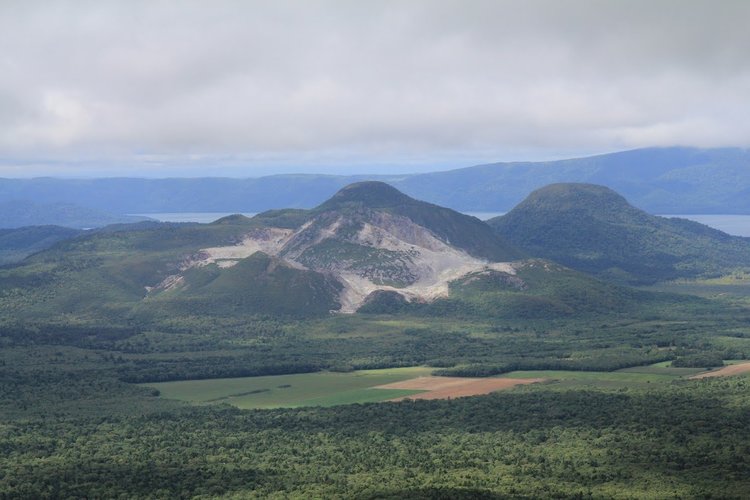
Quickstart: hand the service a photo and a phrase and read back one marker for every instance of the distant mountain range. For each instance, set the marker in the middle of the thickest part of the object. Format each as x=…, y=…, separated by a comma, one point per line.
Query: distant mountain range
x=660, y=180
x=22, y=213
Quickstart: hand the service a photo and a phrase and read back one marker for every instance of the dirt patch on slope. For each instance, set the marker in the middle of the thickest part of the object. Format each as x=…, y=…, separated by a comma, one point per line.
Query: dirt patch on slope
x=268, y=240
x=726, y=371
x=455, y=387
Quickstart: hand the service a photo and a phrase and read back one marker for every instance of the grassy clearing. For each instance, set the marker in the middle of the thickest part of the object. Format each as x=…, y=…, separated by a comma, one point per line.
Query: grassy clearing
x=663, y=368
x=724, y=287
x=332, y=389
x=739, y=277
x=641, y=376
x=366, y=395
x=661, y=364
x=307, y=389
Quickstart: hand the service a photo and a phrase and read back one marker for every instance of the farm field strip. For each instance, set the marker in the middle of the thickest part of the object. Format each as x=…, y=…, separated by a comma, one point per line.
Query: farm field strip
x=454, y=387
x=641, y=376
x=727, y=371
x=397, y=384
x=302, y=389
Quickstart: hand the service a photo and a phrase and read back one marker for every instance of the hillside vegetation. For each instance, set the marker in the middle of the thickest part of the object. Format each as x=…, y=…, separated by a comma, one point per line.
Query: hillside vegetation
x=593, y=229
x=17, y=244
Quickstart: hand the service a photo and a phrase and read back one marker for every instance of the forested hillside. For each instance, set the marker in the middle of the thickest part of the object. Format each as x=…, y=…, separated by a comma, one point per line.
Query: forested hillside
x=593, y=229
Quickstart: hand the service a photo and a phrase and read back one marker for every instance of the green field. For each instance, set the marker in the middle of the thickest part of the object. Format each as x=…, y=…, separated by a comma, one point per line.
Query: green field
x=289, y=391
x=727, y=287
x=641, y=376
x=331, y=388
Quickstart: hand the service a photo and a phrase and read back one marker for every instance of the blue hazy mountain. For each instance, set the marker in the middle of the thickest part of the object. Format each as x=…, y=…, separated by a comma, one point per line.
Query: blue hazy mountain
x=658, y=180
x=19, y=213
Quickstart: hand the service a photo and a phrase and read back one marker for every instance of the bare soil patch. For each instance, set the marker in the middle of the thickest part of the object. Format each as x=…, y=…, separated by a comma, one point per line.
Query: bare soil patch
x=455, y=387
x=726, y=371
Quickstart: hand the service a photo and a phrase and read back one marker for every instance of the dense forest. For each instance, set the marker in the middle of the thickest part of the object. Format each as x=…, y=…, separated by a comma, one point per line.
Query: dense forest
x=686, y=440
x=74, y=425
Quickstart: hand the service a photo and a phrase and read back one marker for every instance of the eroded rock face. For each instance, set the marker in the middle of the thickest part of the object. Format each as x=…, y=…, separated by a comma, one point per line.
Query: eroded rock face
x=268, y=240
x=366, y=250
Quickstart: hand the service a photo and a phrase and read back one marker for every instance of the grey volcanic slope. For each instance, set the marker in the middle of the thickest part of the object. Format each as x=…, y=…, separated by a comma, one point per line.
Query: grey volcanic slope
x=593, y=229
x=456, y=229
x=371, y=237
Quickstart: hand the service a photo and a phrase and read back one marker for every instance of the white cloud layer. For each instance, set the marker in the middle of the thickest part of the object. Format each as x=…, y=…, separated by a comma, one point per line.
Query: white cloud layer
x=301, y=84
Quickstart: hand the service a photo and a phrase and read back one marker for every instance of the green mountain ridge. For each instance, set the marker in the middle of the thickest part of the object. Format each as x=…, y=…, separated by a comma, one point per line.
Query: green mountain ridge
x=593, y=229
x=18, y=243
x=368, y=238
x=258, y=284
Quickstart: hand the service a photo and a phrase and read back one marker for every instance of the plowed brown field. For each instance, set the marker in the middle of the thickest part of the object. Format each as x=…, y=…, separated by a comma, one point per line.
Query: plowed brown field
x=726, y=371
x=455, y=387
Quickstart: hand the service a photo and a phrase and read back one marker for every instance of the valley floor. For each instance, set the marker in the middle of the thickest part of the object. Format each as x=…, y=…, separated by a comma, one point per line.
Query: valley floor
x=629, y=434
x=398, y=384
x=170, y=409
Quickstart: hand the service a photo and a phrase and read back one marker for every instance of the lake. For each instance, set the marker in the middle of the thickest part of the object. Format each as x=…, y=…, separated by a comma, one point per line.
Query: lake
x=738, y=225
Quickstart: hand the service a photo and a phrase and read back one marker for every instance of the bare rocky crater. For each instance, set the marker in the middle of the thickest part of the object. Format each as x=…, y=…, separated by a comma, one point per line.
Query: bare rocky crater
x=362, y=251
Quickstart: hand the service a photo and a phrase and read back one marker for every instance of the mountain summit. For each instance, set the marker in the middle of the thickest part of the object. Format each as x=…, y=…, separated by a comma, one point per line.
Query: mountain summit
x=366, y=199
x=598, y=201
x=371, y=194
x=371, y=238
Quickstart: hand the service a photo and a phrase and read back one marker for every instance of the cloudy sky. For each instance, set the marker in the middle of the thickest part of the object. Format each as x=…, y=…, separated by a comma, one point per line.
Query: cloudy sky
x=246, y=88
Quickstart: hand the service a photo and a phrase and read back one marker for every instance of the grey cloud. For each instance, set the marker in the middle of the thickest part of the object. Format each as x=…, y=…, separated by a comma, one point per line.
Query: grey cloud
x=367, y=82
